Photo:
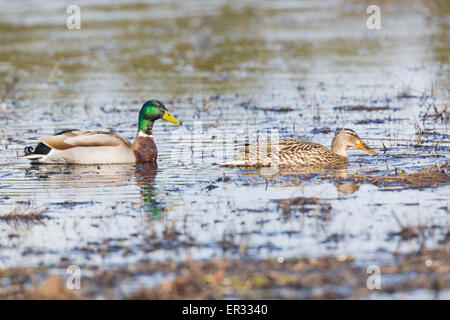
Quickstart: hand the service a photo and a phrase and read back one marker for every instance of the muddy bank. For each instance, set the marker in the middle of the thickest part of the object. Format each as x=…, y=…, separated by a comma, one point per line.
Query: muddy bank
x=300, y=278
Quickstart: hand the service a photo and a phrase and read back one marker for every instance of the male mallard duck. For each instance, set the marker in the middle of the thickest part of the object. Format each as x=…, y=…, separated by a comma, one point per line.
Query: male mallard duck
x=93, y=147
x=296, y=152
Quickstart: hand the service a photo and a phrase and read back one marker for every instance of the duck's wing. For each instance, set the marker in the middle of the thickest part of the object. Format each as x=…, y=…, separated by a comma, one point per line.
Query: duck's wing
x=81, y=138
x=284, y=146
x=282, y=151
x=297, y=146
x=304, y=152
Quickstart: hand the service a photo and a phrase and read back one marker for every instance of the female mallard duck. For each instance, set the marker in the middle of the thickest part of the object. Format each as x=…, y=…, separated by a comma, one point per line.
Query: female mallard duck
x=93, y=147
x=296, y=152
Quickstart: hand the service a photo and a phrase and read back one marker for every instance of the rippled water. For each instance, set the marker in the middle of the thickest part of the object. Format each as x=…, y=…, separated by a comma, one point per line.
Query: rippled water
x=221, y=68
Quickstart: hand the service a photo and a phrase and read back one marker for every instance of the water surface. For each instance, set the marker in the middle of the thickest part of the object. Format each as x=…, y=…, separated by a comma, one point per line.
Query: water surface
x=226, y=69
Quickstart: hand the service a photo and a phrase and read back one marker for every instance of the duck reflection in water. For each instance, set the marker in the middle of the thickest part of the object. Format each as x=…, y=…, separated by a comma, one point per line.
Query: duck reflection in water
x=99, y=183
x=145, y=179
x=294, y=176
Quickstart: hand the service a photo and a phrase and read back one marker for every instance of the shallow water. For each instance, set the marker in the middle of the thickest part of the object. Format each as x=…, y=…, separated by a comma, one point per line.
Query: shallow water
x=222, y=69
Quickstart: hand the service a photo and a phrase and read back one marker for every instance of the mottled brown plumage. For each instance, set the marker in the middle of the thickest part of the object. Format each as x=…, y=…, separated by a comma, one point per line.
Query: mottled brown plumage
x=298, y=152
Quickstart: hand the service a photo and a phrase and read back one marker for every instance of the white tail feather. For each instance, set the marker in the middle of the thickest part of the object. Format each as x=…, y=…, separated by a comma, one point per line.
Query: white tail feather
x=32, y=156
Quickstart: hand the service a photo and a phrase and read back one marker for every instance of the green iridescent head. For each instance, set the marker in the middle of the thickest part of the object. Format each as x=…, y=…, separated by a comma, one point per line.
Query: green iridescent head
x=151, y=111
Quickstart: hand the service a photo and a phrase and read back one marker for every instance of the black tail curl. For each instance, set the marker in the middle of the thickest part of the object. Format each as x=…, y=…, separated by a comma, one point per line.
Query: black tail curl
x=40, y=149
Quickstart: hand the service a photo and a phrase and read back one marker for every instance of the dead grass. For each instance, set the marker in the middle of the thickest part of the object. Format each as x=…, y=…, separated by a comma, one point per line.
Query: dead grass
x=223, y=278
x=326, y=277
x=428, y=177
x=310, y=278
x=303, y=205
x=362, y=108
x=4, y=111
x=52, y=288
x=436, y=114
x=24, y=216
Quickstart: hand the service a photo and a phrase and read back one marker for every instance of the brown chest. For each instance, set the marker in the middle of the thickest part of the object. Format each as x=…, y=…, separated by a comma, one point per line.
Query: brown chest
x=145, y=149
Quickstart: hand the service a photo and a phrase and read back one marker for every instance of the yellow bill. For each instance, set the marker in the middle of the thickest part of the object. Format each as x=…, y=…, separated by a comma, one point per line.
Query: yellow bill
x=168, y=117
x=364, y=147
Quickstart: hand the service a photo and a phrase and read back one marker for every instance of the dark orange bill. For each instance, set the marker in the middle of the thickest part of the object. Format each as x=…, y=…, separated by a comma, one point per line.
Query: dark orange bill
x=364, y=147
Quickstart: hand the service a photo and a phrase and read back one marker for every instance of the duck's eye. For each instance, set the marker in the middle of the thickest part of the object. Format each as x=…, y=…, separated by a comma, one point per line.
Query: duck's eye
x=152, y=111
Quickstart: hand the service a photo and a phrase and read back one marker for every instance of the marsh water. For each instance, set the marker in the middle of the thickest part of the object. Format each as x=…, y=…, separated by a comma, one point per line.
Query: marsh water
x=227, y=69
